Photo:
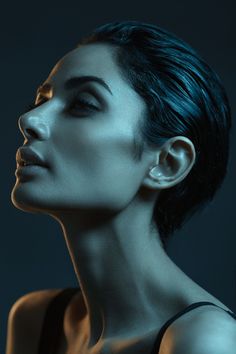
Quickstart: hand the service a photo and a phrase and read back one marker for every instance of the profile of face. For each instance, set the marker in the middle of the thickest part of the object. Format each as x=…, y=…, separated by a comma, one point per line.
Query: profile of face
x=83, y=130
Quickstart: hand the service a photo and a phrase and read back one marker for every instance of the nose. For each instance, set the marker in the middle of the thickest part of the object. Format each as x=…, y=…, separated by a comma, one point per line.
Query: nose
x=33, y=127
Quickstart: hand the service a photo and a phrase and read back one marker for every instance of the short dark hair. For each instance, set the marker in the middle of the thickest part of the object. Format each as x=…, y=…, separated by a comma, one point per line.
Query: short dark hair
x=183, y=96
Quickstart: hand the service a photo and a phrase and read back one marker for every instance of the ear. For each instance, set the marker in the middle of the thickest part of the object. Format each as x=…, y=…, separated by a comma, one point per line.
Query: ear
x=173, y=162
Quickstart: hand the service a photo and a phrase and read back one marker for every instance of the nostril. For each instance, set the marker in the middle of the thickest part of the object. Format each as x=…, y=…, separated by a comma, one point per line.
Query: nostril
x=31, y=133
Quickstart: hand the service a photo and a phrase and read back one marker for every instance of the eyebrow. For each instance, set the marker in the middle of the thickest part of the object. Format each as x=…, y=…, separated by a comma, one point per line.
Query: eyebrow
x=76, y=81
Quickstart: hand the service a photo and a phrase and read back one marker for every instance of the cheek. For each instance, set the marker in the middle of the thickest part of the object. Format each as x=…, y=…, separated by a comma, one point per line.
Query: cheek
x=97, y=167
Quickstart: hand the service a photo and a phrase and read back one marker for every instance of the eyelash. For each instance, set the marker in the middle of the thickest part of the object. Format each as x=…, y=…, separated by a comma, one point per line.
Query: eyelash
x=75, y=99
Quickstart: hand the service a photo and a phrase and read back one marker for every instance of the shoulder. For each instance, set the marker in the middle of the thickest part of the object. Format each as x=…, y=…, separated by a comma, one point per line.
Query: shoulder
x=212, y=331
x=25, y=319
x=32, y=305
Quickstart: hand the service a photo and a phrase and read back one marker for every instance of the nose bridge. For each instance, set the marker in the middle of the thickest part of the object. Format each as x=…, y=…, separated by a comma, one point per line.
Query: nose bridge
x=32, y=125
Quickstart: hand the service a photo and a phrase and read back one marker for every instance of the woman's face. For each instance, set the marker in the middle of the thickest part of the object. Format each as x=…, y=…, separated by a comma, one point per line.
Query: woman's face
x=84, y=132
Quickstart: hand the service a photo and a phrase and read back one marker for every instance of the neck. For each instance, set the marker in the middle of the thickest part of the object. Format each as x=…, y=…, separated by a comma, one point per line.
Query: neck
x=126, y=277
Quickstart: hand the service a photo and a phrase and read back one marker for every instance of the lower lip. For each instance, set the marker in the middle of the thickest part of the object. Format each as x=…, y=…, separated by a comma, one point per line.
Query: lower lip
x=28, y=170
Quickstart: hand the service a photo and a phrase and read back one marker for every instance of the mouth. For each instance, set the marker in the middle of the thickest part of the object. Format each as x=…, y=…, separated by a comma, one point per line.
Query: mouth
x=23, y=163
x=27, y=171
x=25, y=157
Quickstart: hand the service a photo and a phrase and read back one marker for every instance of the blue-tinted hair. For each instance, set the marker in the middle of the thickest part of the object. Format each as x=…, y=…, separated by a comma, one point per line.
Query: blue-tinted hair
x=183, y=96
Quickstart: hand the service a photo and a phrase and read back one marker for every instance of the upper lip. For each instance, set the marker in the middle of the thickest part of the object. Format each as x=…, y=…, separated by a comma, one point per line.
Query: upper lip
x=27, y=156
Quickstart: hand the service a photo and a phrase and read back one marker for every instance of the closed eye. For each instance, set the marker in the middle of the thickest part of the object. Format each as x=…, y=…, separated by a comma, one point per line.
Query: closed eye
x=81, y=104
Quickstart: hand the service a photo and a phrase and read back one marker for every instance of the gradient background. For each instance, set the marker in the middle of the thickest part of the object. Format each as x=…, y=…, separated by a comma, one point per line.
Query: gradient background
x=34, y=36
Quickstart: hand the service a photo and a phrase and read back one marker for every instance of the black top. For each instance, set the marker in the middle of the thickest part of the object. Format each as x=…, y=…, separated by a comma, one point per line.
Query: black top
x=52, y=327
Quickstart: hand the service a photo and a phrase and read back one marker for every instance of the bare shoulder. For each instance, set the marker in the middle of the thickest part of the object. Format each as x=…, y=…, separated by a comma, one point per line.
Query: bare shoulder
x=25, y=321
x=206, y=331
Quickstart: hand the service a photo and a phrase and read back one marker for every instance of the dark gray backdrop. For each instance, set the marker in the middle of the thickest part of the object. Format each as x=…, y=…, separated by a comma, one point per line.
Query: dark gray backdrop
x=34, y=36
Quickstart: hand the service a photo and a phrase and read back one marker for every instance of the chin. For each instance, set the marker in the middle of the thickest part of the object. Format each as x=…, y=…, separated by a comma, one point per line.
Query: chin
x=26, y=201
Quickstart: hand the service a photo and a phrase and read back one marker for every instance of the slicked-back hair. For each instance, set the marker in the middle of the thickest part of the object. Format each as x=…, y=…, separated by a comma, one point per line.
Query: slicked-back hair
x=184, y=96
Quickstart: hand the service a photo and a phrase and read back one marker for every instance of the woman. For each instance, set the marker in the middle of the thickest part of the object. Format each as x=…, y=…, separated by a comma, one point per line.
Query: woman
x=128, y=137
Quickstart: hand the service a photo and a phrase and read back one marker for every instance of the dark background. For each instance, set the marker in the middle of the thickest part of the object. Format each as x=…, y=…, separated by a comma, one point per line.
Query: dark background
x=34, y=36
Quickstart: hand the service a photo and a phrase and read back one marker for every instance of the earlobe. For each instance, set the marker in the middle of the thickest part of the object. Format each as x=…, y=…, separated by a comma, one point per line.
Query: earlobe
x=159, y=177
x=153, y=173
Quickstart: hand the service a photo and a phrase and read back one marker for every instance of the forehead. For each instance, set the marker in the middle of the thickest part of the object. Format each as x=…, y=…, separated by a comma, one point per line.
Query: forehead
x=91, y=59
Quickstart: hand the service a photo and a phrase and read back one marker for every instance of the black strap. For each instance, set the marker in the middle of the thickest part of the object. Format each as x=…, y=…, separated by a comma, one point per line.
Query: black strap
x=160, y=334
x=52, y=328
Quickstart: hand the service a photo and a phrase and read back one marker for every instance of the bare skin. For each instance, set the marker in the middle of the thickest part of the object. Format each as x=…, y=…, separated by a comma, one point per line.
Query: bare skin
x=103, y=199
x=28, y=313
